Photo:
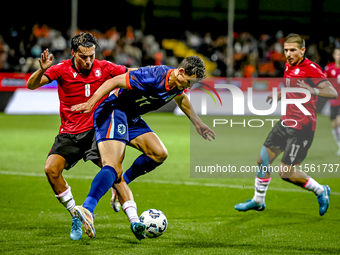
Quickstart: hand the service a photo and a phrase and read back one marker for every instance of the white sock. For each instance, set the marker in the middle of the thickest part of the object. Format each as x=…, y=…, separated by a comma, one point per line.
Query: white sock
x=314, y=186
x=261, y=186
x=66, y=198
x=130, y=209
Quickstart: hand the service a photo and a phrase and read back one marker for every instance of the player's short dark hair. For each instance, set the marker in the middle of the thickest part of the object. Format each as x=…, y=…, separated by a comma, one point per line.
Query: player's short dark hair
x=193, y=65
x=295, y=38
x=84, y=39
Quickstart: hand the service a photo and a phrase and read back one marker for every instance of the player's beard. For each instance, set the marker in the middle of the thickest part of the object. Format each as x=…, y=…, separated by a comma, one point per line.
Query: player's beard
x=87, y=69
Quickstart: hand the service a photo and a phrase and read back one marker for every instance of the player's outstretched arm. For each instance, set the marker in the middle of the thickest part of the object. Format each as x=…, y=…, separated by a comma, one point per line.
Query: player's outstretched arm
x=111, y=84
x=183, y=103
x=324, y=89
x=37, y=79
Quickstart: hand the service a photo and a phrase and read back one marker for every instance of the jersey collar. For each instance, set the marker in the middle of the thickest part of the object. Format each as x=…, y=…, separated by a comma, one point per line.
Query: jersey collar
x=303, y=60
x=73, y=65
x=167, y=80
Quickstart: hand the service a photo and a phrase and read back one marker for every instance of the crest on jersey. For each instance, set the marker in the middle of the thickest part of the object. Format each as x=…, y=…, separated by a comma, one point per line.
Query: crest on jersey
x=121, y=129
x=333, y=72
x=297, y=71
x=75, y=74
x=98, y=73
x=305, y=142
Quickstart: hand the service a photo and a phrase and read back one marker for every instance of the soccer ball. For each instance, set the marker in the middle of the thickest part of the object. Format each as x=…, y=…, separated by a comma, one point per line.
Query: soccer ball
x=155, y=222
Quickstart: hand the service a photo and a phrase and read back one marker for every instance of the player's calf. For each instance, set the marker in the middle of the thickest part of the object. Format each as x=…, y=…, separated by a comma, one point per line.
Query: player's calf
x=142, y=165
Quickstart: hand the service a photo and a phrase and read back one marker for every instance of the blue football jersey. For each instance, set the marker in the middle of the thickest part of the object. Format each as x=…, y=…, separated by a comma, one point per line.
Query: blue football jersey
x=148, y=90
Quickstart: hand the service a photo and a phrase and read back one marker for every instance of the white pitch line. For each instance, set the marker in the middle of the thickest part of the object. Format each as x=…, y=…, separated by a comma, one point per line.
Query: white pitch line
x=219, y=185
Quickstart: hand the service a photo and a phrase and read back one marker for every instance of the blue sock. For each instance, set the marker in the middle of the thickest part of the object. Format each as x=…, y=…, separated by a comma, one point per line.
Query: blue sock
x=101, y=183
x=142, y=165
x=263, y=168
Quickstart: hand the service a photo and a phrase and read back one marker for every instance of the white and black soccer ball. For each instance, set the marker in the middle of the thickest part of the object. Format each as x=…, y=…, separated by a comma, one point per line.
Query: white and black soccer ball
x=155, y=222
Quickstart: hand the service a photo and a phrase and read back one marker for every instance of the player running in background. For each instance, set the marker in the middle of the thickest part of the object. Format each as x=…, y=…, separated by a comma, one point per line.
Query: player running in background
x=78, y=78
x=332, y=70
x=118, y=122
x=296, y=137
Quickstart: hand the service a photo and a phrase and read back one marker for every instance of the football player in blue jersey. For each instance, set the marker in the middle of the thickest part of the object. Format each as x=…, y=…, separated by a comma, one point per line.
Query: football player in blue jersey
x=118, y=122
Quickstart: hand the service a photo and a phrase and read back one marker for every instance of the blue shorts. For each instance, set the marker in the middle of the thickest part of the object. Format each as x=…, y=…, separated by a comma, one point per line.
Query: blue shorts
x=117, y=126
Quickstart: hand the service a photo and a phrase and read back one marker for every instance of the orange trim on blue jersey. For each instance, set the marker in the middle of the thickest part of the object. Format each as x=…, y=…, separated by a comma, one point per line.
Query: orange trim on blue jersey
x=167, y=80
x=181, y=93
x=127, y=79
x=109, y=129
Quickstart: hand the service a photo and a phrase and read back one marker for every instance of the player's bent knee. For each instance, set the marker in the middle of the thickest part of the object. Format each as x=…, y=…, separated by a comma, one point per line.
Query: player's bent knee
x=162, y=156
x=159, y=156
x=53, y=172
x=118, y=168
x=54, y=166
x=119, y=172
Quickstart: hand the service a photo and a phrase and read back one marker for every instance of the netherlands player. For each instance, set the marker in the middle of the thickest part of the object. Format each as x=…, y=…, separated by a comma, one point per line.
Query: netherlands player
x=332, y=70
x=118, y=122
x=78, y=79
x=295, y=139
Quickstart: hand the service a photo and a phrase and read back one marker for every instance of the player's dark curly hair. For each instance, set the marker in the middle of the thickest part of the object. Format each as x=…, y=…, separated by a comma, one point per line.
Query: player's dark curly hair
x=194, y=65
x=84, y=39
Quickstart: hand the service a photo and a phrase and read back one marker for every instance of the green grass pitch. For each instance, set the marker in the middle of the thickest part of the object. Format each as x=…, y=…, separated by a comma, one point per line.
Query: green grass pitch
x=200, y=212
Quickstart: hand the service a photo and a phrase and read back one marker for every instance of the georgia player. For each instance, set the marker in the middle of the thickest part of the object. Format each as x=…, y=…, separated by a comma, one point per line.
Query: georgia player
x=296, y=136
x=78, y=79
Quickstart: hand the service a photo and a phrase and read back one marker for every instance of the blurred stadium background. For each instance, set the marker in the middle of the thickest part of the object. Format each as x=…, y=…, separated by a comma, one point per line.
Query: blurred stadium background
x=135, y=33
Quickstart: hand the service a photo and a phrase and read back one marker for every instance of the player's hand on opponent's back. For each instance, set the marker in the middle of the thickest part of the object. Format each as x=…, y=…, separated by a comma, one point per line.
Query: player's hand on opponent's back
x=83, y=107
x=205, y=131
x=45, y=60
